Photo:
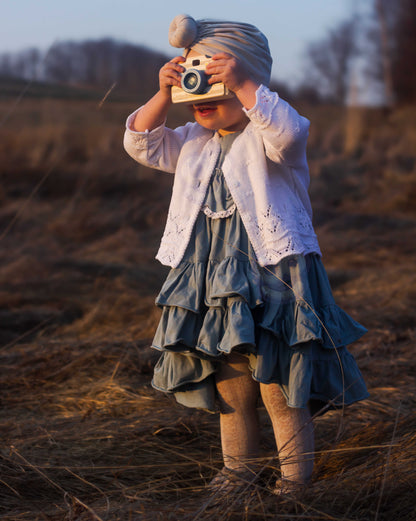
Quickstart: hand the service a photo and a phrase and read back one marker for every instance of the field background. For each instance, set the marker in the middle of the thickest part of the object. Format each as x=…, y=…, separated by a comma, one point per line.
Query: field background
x=84, y=436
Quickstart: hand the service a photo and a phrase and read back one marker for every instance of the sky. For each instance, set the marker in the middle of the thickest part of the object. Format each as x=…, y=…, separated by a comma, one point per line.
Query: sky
x=288, y=24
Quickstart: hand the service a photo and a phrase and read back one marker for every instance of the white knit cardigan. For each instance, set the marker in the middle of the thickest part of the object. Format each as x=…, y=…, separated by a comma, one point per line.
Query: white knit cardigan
x=265, y=169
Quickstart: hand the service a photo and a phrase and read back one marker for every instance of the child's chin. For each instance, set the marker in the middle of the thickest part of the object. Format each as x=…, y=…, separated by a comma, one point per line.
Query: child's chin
x=207, y=125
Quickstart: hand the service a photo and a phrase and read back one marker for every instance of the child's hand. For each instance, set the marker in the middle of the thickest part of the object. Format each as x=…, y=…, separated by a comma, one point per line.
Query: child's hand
x=228, y=70
x=154, y=112
x=170, y=74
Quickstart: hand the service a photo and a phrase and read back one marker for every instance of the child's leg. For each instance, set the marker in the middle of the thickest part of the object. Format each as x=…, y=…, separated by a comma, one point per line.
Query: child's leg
x=294, y=435
x=238, y=394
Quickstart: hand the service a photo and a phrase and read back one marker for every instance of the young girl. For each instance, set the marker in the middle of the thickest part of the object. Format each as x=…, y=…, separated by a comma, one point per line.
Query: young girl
x=246, y=308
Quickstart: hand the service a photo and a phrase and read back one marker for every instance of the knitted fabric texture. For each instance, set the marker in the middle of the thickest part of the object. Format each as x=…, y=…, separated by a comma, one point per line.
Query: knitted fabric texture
x=243, y=41
x=271, y=196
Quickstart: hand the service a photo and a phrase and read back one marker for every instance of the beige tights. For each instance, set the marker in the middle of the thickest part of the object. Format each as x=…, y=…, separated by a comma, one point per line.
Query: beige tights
x=239, y=423
x=293, y=430
x=240, y=431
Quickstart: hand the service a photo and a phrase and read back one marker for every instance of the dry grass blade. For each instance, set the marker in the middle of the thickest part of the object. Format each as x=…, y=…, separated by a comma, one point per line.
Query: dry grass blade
x=386, y=467
x=66, y=495
x=106, y=95
x=38, y=470
x=24, y=205
x=90, y=485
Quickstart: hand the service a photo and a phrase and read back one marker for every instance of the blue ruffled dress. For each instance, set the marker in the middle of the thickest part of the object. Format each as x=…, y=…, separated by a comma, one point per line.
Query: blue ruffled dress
x=282, y=317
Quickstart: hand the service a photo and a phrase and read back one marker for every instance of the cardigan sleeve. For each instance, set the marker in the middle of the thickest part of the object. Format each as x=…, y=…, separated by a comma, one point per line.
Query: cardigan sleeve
x=158, y=148
x=283, y=130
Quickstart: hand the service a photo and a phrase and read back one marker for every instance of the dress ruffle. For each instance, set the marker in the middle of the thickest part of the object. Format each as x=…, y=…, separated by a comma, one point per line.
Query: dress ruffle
x=293, y=340
x=206, y=315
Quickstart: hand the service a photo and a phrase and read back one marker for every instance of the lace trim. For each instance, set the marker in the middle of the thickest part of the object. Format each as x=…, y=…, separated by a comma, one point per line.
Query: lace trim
x=274, y=235
x=278, y=234
x=218, y=215
x=262, y=112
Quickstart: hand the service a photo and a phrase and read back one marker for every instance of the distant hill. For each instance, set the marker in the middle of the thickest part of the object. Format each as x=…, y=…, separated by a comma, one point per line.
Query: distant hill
x=90, y=68
x=12, y=88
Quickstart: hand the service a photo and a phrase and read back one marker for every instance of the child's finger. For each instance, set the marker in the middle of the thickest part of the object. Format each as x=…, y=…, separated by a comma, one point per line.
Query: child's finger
x=171, y=70
x=175, y=69
x=220, y=65
x=170, y=73
x=171, y=78
x=218, y=68
x=216, y=78
x=177, y=59
x=175, y=64
x=221, y=55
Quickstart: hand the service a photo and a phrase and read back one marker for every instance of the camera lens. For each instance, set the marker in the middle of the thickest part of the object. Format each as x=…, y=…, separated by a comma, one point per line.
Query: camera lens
x=191, y=81
x=194, y=81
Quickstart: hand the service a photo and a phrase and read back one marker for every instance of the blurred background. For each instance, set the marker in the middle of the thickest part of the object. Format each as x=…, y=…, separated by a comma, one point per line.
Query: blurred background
x=84, y=436
x=338, y=50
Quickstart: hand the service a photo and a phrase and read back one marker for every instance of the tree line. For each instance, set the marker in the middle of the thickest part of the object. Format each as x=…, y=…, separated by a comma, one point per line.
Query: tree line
x=375, y=52
x=375, y=49
x=90, y=63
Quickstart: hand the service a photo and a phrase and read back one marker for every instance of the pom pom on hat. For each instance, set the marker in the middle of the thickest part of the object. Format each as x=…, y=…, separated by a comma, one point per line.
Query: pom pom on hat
x=182, y=31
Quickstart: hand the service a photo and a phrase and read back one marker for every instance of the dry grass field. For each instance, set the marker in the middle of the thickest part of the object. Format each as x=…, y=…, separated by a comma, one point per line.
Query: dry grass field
x=84, y=437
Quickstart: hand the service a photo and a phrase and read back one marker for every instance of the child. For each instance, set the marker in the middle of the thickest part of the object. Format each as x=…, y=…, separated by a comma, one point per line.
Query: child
x=246, y=308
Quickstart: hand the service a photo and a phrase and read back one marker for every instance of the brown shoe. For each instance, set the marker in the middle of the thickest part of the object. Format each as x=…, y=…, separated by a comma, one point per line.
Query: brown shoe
x=287, y=488
x=231, y=481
